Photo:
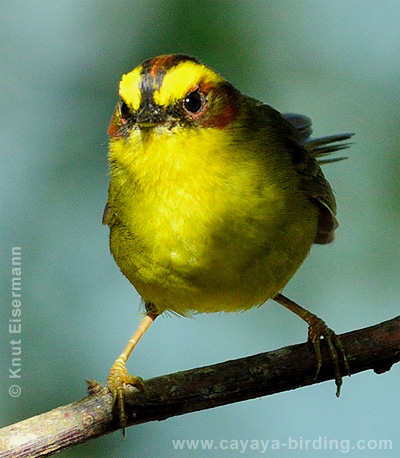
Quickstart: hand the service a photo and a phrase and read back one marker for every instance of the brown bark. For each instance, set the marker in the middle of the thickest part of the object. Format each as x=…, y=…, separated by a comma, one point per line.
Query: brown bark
x=376, y=347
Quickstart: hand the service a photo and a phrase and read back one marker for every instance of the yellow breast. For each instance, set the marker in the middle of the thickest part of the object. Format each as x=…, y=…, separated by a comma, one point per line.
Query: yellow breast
x=200, y=223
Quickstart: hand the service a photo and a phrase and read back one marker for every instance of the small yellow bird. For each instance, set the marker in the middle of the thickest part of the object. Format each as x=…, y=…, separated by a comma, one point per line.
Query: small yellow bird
x=214, y=200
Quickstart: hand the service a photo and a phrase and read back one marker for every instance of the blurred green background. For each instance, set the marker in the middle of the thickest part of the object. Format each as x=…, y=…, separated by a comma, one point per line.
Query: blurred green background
x=336, y=61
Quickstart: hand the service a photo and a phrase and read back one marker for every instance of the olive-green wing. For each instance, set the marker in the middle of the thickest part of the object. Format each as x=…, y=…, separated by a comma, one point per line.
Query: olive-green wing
x=313, y=181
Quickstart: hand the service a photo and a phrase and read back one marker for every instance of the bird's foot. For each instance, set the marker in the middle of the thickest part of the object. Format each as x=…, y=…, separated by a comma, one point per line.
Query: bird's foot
x=116, y=382
x=317, y=329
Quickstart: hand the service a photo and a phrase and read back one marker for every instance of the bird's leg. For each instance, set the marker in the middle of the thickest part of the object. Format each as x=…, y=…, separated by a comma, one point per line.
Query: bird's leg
x=317, y=329
x=118, y=373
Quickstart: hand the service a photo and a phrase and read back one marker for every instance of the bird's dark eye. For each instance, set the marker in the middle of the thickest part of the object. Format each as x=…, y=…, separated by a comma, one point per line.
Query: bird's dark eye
x=124, y=110
x=193, y=102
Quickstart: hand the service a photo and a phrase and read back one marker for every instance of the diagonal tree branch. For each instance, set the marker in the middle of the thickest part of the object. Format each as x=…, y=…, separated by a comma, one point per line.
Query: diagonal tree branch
x=376, y=347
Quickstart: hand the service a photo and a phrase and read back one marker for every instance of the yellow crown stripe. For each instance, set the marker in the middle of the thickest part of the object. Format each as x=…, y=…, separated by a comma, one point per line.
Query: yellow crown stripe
x=182, y=79
x=129, y=88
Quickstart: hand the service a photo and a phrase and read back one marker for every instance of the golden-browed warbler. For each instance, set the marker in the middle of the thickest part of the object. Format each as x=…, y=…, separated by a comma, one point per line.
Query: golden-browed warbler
x=214, y=200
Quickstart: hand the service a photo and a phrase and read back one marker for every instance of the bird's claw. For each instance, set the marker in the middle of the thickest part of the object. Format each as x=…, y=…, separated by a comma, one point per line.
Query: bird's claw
x=116, y=382
x=317, y=329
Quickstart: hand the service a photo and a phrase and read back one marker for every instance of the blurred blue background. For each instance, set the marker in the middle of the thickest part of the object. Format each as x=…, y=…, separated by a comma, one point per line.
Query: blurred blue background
x=336, y=61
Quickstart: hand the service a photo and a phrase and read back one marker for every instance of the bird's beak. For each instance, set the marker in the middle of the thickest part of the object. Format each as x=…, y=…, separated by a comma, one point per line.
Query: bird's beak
x=151, y=116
